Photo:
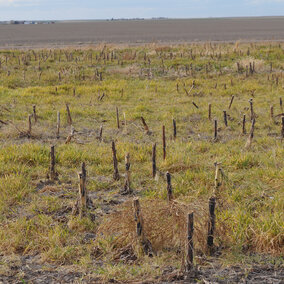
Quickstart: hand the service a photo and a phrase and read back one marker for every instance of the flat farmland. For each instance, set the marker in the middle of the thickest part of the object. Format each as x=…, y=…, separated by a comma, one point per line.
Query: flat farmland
x=142, y=31
x=160, y=162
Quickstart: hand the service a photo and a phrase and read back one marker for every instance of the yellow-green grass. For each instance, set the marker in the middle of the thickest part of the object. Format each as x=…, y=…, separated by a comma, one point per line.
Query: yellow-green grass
x=36, y=217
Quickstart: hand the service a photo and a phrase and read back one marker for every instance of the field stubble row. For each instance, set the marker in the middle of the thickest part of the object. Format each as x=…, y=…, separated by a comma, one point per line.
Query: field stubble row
x=200, y=95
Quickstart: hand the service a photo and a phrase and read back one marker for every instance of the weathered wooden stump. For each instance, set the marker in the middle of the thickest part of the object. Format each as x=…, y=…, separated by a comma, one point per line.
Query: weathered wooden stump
x=29, y=131
x=189, y=244
x=164, y=142
x=34, y=113
x=211, y=224
x=127, y=187
x=154, y=166
x=101, y=134
x=251, y=109
x=174, y=129
x=83, y=191
x=169, y=187
x=115, y=164
x=69, y=119
x=215, y=130
x=251, y=134
x=117, y=118
x=244, y=131
x=144, y=242
x=146, y=128
x=225, y=118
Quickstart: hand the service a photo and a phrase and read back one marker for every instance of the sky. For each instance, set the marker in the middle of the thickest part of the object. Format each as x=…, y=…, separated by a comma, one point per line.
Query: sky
x=107, y=9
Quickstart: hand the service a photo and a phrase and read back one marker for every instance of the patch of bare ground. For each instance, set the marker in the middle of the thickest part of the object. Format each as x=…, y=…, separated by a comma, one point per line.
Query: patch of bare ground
x=30, y=269
x=165, y=31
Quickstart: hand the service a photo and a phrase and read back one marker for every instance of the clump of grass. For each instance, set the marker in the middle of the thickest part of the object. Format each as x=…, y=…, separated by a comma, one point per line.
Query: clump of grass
x=164, y=226
x=258, y=63
x=40, y=234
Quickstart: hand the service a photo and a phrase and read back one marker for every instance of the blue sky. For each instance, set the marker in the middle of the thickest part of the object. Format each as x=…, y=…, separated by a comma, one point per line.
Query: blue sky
x=106, y=9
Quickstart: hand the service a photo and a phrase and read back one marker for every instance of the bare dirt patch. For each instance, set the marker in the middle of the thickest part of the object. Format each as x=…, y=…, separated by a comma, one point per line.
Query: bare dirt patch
x=166, y=31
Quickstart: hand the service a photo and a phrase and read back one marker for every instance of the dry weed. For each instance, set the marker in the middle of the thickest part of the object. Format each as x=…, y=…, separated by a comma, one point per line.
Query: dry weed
x=164, y=225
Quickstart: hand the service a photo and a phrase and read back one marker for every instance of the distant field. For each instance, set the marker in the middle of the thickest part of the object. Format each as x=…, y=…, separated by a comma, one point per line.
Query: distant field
x=187, y=30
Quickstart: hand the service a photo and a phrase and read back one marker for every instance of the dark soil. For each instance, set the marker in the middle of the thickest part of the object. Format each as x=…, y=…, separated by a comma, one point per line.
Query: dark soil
x=146, y=31
x=29, y=269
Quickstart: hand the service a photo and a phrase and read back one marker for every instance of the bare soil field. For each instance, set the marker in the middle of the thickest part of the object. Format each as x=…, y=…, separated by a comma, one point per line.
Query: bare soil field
x=26, y=269
x=142, y=31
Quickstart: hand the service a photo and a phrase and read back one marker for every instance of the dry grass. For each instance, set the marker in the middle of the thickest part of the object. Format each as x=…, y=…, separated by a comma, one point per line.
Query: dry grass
x=164, y=226
x=132, y=70
x=36, y=216
x=259, y=64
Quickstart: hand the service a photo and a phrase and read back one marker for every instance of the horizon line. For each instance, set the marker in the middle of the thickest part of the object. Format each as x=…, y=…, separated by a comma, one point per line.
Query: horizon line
x=145, y=18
